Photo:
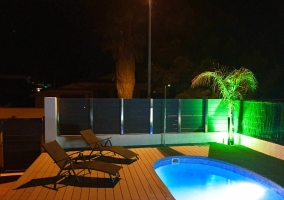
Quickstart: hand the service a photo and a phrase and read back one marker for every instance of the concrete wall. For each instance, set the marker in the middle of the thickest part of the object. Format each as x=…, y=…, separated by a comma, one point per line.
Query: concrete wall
x=144, y=139
x=50, y=113
x=262, y=146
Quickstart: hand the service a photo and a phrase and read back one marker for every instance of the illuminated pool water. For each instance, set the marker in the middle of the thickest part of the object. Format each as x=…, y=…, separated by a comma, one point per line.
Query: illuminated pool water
x=201, y=178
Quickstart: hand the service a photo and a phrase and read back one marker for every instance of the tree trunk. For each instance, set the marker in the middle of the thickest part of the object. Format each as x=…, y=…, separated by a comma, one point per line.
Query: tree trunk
x=125, y=77
x=230, y=127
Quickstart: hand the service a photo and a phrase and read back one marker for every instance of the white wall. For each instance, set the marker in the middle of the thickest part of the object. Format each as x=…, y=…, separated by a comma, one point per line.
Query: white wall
x=50, y=116
x=262, y=146
x=144, y=139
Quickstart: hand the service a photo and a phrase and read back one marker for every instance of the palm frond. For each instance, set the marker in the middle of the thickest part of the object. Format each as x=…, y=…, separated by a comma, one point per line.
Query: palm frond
x=229, y=85
x=214, y=80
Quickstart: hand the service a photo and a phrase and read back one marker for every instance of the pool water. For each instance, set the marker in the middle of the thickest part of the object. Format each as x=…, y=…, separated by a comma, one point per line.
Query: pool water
x=200, y=178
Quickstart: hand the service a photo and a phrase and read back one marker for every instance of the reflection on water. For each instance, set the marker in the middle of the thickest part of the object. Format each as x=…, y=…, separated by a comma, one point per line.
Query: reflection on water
x=204, y=182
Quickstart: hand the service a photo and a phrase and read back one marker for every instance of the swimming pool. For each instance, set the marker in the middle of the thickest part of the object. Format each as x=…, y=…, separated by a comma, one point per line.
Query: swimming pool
x=201, y=178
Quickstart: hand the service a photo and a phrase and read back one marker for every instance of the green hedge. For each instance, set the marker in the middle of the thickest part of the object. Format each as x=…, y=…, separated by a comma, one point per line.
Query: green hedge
x=264, y=120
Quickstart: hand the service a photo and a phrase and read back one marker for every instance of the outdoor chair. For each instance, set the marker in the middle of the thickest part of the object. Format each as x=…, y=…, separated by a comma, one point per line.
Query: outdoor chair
x=70, y=163
x=105, y=145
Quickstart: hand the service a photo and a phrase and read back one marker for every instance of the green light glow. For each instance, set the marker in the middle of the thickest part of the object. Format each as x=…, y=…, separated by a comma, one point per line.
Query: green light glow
x=191, y=115
x=217, y=116
x=263, y=120
x=230, y=85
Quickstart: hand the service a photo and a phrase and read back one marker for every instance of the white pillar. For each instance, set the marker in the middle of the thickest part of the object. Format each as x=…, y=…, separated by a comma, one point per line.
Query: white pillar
x=50, y=113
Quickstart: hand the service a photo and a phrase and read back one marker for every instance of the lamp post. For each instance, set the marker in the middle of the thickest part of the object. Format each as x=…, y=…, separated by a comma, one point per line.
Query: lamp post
x=165, y=116
x=149, y=51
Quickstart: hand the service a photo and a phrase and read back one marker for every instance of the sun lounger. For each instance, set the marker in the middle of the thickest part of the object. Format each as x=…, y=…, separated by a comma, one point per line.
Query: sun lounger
x=105, y=145
x=68, y=164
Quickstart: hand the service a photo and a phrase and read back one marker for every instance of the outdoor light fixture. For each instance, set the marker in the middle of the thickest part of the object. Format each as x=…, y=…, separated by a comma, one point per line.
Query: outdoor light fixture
x=165, y=116
x=149, y=51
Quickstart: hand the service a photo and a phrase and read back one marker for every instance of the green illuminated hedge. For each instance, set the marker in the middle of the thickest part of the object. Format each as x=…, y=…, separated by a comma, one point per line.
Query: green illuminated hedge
x=263, y=120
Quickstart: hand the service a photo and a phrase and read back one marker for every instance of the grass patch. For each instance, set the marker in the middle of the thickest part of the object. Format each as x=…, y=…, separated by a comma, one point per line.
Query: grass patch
x=267, y=166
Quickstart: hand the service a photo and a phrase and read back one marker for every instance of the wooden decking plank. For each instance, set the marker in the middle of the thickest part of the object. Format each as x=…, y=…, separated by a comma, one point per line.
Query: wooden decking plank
x=114, y=192
x=93, y=191
x=183, y=150
x=108, y=190
x=192, y=150
x=68, y=192
x=125, y=190
x=145, y=177
x=85, y=190
x=201, y=151
x=139, y=179
x=124, y=187
x=152, y=154
x=117, y=192
x=109, y=193
x=130, y=183
x=77, y=189
x=76, y=186
x=50, y=194
x=155, y=183
x=167, y=151
x=158, y=187
x=164, y=190
x=148, y=157
x=15, y=193
x=101, y=189
x=69, y=188
x=32, y=170
x=60, y=193
x=61, y=190
x=48, y=185
x=27, y=191
x=161, y=191
x=49, y=165
x=140, y=164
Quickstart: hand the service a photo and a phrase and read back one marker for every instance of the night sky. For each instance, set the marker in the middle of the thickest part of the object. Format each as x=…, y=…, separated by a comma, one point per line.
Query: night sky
x=50, y=40
x=59, y=40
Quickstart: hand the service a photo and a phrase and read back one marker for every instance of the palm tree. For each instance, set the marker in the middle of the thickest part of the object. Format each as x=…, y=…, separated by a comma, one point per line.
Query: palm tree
x=230, y=86
x=122, y=36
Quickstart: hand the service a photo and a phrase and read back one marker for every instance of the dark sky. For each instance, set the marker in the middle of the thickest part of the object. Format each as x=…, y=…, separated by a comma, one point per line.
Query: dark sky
x=59, y=39
x=50, y=39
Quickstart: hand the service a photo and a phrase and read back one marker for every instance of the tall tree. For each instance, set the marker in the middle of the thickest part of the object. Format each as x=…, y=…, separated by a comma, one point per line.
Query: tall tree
x=230, y=86
x=123, y=36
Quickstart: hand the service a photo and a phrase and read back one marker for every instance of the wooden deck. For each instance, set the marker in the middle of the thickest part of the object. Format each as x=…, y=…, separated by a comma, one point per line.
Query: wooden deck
x=138, y=180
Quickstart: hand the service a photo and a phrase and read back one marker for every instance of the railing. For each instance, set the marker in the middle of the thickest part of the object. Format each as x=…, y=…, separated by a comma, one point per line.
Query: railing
x=263, y=120
x=124, y=116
